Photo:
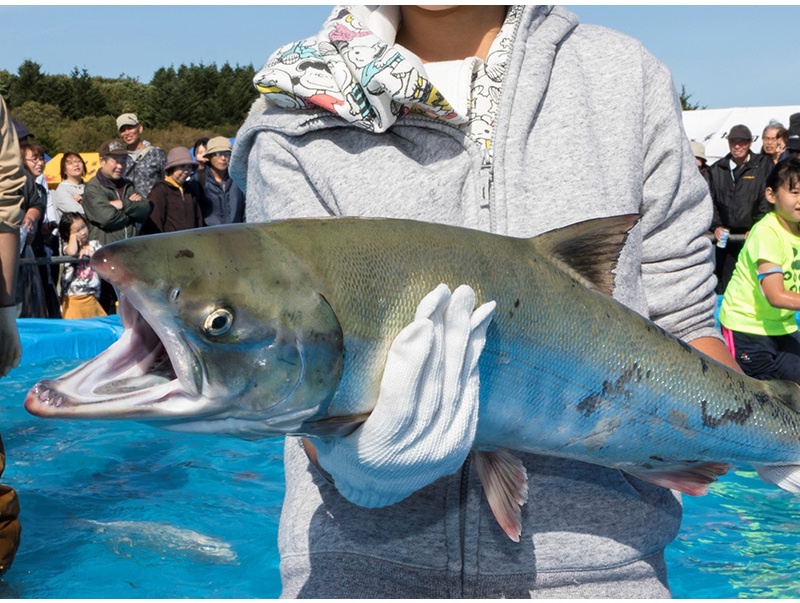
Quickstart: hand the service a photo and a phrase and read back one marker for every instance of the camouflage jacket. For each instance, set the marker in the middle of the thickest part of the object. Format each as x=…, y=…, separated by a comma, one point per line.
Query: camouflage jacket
x=145, y=168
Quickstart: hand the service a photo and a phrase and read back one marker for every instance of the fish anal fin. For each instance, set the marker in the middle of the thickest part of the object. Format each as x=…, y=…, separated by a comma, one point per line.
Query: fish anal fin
x=505, y=482
x=589, y=250
x=689, y=479
x=786, y=477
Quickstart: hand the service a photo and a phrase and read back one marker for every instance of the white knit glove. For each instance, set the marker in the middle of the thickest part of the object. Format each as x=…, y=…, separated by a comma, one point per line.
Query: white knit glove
x=424, y=423
x=10, y=346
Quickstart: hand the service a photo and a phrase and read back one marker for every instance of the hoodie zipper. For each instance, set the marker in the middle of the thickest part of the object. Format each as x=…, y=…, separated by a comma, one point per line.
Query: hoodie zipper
x=487, y=187
x=462, y=519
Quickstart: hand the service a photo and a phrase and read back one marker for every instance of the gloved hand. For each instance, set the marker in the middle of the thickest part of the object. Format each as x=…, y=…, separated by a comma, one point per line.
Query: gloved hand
x=424, y=423
x=10, y=346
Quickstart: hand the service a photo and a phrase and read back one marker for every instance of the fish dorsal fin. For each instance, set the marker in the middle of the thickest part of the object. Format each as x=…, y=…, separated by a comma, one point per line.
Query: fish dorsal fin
x=588, y=250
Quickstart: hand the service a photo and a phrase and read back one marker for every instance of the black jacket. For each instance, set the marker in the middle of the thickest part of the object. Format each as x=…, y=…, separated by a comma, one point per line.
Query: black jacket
x=738, y=205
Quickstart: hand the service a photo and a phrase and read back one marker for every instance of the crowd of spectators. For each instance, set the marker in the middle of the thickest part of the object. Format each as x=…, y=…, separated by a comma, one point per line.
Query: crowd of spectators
x=757, y=271
x=138, y=190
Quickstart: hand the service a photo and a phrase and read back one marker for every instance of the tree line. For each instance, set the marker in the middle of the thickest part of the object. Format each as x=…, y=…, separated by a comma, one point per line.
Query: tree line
x=78, y=111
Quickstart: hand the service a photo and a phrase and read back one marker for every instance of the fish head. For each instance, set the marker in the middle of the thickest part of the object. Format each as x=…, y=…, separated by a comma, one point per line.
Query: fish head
x=224, y=332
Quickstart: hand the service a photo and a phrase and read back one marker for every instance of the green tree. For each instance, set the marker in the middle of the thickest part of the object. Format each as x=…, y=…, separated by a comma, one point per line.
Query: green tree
x=685, y=104
x=43, y=120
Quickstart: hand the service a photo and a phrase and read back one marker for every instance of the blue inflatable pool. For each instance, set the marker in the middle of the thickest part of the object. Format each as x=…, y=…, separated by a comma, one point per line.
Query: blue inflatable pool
x=122, y=510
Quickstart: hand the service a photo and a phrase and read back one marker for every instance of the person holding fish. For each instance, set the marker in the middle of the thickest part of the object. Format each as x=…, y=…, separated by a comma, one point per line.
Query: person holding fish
x=447, y=114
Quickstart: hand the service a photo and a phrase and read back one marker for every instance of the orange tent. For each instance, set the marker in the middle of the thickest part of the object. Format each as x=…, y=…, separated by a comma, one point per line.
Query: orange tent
x=52, y=170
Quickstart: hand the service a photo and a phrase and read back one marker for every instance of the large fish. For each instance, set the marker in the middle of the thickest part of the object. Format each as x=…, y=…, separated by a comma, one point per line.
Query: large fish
x=260, y=330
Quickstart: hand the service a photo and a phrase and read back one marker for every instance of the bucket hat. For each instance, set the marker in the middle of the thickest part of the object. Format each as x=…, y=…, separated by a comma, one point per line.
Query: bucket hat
x=179, y=156
x=218, y=144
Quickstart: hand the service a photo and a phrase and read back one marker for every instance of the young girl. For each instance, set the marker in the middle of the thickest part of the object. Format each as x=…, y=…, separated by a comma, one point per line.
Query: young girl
x=758, y=310
x=80, y=285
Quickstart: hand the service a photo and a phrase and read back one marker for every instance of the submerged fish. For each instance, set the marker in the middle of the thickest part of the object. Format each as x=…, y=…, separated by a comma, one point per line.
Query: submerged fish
x=128, y=537
x=258, y=330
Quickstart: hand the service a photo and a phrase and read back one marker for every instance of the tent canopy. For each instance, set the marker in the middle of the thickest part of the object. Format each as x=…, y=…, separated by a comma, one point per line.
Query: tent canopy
x=52, y=169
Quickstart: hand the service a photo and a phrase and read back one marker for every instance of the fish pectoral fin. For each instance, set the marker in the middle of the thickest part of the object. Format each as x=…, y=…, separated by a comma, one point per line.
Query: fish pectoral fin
x=786, y=477
x=334, y=427
x=505, y=482
x=689, y=479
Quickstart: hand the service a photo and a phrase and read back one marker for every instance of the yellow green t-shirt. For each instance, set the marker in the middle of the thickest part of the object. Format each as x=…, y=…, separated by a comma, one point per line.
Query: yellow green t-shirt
x=744, y=307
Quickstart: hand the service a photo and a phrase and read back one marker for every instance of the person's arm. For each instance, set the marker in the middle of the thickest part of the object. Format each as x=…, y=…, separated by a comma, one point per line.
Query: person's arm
x=676, y=208
x=773, y=289
x=97, y=207
x=64, y=200
x=716, y=349
x=157, y=219
x=135, y=205
x=282, y=191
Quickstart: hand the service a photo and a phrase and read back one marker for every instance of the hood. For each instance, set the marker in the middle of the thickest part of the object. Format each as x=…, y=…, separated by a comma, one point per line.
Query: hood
x=350, y=70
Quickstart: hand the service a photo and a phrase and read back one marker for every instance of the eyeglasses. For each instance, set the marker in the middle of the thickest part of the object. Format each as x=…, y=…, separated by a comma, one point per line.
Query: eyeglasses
x=221, y=154
x=36, y=159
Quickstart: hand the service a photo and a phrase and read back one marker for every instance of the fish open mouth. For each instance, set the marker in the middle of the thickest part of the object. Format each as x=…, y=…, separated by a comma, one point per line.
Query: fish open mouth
x=149, y=372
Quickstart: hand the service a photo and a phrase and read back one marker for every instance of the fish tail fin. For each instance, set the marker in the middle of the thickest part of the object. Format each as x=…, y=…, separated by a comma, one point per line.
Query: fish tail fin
x=786, y=477
x=505, y=482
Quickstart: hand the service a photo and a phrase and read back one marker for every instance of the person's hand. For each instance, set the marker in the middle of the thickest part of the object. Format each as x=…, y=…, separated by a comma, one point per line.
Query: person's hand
x=135, y=197
x=10, y=346
x=718, y=233
x=423, y=425
x=77, y=198
x=116, y=203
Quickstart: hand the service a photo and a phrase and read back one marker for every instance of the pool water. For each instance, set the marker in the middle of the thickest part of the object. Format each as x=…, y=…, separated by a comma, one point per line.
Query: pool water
x=122, y=510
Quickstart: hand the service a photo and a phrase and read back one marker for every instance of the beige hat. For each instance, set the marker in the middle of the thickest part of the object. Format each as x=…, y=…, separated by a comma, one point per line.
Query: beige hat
x=179, y=156
x=699, y=150
x=127, y=119
x=218, y=144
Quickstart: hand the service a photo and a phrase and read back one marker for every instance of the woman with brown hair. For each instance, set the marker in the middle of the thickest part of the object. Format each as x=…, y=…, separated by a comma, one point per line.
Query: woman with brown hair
x=68, y=197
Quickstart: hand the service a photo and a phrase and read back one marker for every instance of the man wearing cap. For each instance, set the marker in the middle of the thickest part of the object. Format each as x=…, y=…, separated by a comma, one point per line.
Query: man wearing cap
x=223, y=201
x=113, y=207
x=145, y=162
x=738, y=185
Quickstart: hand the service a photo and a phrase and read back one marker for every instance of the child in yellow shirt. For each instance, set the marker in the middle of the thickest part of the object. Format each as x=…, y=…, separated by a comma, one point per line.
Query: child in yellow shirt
x=758, y=309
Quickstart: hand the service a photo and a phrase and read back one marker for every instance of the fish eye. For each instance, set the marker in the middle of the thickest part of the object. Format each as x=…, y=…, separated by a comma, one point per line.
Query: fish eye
x=218, y=322
x=174, y=294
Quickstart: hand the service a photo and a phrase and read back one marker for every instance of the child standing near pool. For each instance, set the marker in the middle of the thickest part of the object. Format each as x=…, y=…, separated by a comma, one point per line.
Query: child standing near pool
x=758, y=309
x=80, y=284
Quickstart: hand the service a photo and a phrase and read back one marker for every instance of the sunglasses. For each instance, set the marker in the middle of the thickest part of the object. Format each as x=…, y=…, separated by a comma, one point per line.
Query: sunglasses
x=221, y=154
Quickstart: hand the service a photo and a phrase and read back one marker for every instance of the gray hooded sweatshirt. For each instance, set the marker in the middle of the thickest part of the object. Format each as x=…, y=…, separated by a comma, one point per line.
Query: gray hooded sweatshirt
x=587, y=124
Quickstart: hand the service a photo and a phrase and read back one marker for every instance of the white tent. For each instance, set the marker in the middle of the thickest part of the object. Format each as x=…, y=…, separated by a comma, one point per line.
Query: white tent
x=711, y=126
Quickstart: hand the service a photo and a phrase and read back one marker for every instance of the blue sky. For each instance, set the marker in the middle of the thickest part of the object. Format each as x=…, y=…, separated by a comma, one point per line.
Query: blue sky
x=726, y=56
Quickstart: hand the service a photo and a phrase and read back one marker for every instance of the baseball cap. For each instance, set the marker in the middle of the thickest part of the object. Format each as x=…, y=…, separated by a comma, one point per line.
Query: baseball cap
x=127, y=119
x=112, y=147
x=740, y=132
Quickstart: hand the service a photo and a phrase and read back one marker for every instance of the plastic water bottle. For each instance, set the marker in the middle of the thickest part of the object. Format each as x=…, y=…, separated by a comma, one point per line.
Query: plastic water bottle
x=723, y=238
x=23, y=234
